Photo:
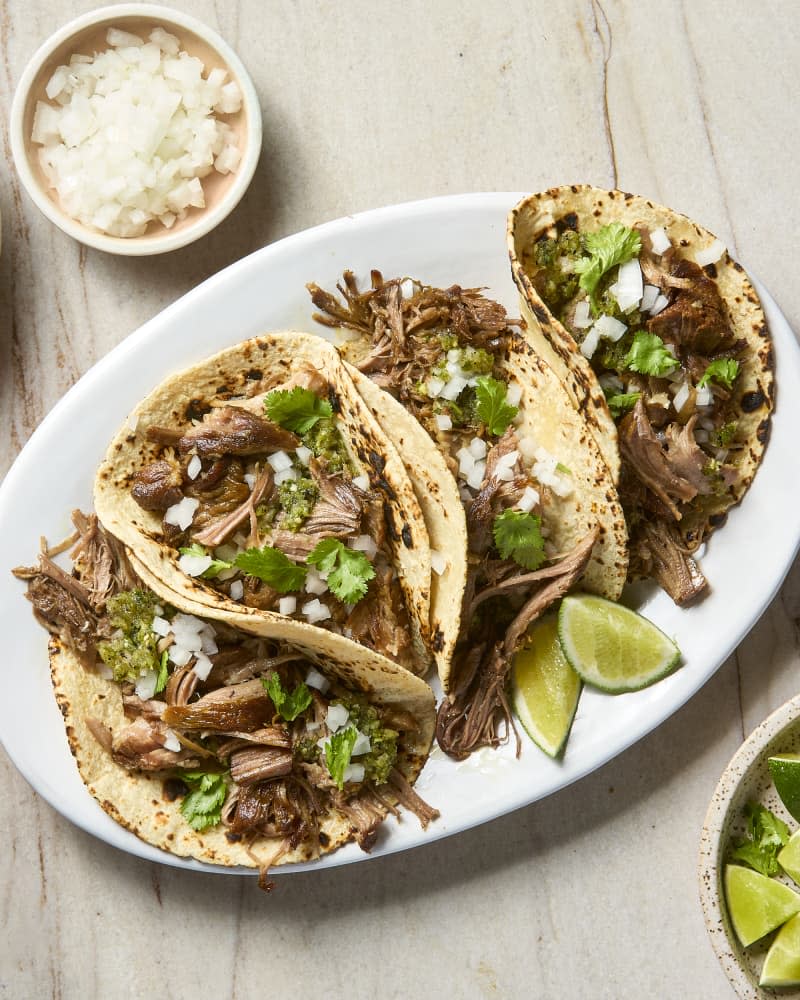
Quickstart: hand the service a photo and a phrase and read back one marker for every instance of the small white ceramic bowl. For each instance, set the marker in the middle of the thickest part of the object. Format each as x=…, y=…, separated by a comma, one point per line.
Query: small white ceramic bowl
x=746, y=778
x=87, y=35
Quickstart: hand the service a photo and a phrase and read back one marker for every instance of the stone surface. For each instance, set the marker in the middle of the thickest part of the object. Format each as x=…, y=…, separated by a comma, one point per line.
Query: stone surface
x=592, y=892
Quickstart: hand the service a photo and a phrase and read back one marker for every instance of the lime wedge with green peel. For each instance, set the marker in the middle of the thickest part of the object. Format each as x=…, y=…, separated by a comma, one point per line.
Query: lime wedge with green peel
x=782, y=964
x=785, y=771
x=757, y=904
x=544, y=687
x=789, y=857
x=612, y=647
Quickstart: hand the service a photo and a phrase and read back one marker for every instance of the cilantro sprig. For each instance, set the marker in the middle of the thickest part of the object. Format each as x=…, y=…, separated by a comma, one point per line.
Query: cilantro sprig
x=287, y=705
x=338, y=751
x=274, y=567
x=163, y=673
x=649, y=356
x=217, y=565
x=518, y=536
x=721, y=370
x=349, y=571
x=767, y=835
x=621, y=402
x=610, y=245
x=296, y=409
x=492, y=407
x=202, y=807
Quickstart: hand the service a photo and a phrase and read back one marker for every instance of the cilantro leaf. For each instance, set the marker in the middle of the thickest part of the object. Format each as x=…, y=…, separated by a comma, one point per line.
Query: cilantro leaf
x=163, y=673
x=272, y=566
x=288, y=706
x=610, y=245
x=768, y=835
x=338, y=751
x=518, y=536
x=348, y=571
x=296, y=409
x=649, y=356
x=492, y=408
x=619, y=403
x=217, y=565
x=722, y=370
x=202, y=807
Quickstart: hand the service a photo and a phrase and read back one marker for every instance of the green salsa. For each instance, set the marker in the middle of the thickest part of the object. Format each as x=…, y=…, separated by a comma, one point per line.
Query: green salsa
x=326, y=442
x=380, y=759
x=133, y=651
x=297, y=498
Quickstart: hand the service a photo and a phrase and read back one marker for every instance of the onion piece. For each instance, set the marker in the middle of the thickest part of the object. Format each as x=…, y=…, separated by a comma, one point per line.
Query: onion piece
x=711, y=254
x=181, y=514
x=659, y=241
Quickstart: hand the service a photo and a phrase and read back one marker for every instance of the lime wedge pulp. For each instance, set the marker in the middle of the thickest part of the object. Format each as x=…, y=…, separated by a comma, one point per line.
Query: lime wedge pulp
x=785, y=771
x=757, y=904
x=789, y=857
x=544, y=687
x=782, y=964
x=612, y=647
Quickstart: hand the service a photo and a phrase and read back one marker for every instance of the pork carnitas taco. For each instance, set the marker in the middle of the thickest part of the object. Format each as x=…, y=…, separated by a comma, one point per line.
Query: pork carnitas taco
x=214, y=743
x=663, y=346
x=540, y=509
x=259, y=482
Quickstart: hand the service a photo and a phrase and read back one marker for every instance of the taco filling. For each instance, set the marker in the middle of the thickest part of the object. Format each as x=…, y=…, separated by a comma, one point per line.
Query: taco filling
x=250, y=735
x=657, y=334
x=443, y=353
x=263, y=500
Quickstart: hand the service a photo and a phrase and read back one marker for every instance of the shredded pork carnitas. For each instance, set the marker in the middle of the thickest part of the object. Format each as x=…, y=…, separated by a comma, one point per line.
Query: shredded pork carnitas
x=280, y=788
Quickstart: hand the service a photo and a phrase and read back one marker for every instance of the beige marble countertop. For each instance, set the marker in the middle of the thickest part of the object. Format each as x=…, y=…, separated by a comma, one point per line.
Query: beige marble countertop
x=591, y=892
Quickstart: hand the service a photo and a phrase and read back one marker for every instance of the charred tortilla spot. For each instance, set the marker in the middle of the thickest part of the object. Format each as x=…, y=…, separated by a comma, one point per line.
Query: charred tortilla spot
x=717, y=520
x=762, y=433
x=196, y=409
x=437, y=640
x=752, y=401
x=334, y=400
x=540, y=313
x=254, y=375
x=711, y=270
x=570, y=221
x=172, y=788
x=388, y=515
x=324, y=839
x=405, y=534
x=232, y=838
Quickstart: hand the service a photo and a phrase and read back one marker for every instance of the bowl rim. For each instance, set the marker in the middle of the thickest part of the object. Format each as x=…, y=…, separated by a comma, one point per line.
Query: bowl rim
x=161, y=242
x=711, y=851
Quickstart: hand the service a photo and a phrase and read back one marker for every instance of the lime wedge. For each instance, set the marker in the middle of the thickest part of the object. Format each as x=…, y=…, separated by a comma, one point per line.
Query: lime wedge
x=612, y=647
x=544, y=687
x=782, y=964
x=789, y=857
x=757, y=904
x=785, y=771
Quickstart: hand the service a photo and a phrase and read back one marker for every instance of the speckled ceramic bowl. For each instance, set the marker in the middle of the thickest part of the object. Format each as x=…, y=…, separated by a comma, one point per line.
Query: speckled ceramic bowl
x=746, y=778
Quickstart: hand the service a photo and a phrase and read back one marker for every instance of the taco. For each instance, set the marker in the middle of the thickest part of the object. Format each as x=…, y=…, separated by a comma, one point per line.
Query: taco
x=258, y=482
x=540, y=510
x=214, y=743
x=662, y=344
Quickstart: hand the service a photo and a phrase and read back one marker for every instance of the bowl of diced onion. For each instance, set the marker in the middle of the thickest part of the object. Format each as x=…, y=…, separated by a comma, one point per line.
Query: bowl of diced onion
x=135, y=129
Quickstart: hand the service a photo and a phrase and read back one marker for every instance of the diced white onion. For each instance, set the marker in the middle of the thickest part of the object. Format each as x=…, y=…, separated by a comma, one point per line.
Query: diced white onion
x=314, y=679
x=179, y=656
x=336, y=717
x=237, y=590
x=194, y=467
x=285, y=475
x=365, y=544
x=443, y=421
x=659, y=305
x=202, y=666
x=314, y=582
x=438, y=562
x=527, y=447
x=434, y=387
x=681, y=397
x=287, y=605
x=133, y=421
x=146, y=685
x=612, y=383
x=659, y=241
x=476, y=475
x=315, y=611
x=304, y=454
x=171, y=741
x=582, y=319
x=629, y=286
x=590, y=342
x=477, y=448
x=711, y=254
x=466, y=461
x=250, y=479
x=507, y=461
x=562, y=486
x=361, y=745
x=181, y=514
x=705, y=396
x=362, y=482
x=280, y=461
x=513, y=393
x=649, y=295
x=610, y=328
x=194, y=565
x=161, y=626
x=529, y=499
x=454, y=388
x=354, y=773
x=454, y=354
